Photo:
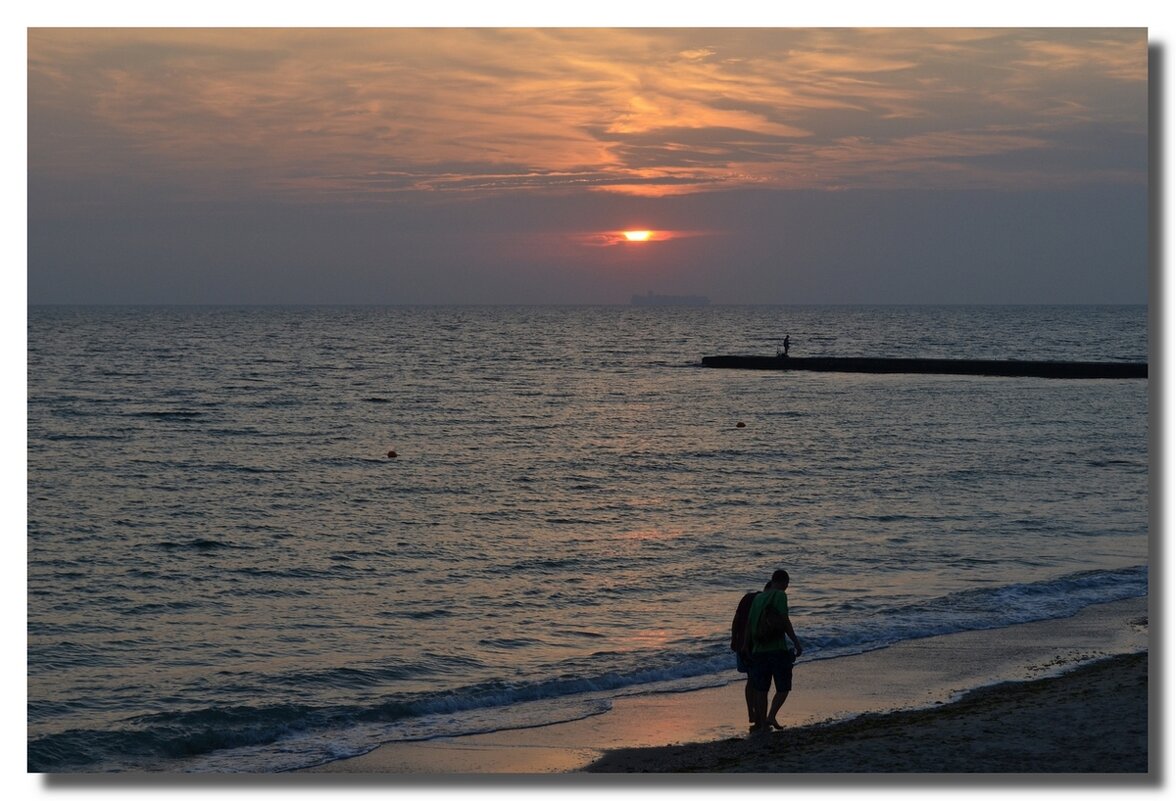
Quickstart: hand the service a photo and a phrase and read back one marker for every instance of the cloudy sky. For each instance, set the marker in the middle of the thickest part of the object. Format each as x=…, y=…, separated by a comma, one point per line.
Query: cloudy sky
x=769, y=165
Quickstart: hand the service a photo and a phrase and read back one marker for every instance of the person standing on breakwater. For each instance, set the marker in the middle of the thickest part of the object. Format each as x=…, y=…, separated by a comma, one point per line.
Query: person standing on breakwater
x=739, y=643
x=784, y=351
x=774, y=648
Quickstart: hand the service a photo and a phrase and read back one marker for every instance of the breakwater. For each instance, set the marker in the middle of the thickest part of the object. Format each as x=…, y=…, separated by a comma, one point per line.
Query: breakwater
x=989, y=367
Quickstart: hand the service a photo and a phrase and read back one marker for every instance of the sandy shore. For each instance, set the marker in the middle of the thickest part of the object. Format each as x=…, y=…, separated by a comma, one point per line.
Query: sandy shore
x=892, y=710
x=1091, y=720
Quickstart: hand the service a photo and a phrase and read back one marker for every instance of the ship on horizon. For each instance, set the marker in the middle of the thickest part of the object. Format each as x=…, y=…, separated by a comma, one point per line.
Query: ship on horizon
x=651, y=299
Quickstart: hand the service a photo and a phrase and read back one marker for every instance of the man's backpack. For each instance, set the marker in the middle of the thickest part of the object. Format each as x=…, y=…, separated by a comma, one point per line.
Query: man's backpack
x=771, y=625
x=739, y=623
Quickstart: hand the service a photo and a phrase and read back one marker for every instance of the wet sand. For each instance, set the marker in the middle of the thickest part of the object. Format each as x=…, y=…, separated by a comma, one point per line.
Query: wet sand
x=1092, y=718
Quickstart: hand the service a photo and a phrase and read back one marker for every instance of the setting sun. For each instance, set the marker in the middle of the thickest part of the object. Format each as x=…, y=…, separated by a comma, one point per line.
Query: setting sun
x=632, y=237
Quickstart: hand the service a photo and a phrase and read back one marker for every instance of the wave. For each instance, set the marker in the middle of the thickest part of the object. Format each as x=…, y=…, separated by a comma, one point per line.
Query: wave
x=199, y=544
x=287, y=736
x=985, y=608
x=57, y=437
x=176, y=414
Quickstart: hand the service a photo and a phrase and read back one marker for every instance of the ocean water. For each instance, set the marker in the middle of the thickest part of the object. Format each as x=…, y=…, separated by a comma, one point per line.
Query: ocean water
x=226, y=571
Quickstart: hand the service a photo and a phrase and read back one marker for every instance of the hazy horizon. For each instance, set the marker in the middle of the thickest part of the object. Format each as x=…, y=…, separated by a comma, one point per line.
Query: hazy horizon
x=474, y=304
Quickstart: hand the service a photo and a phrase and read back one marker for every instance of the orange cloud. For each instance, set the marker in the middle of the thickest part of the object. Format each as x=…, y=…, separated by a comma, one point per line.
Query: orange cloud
x=373, y=114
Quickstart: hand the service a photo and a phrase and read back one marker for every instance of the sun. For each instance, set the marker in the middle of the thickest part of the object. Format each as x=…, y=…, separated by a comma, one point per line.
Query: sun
x=637, y=236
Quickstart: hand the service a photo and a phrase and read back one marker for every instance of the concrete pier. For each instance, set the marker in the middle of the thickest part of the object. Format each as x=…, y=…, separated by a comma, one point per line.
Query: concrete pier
x=993, y=367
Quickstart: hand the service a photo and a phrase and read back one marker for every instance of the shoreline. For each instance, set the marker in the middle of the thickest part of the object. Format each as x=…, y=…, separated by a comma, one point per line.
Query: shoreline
x=920, y=677
x=1038, y=726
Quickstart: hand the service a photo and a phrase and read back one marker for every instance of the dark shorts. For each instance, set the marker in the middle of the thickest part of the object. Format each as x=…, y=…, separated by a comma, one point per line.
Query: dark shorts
x=768, y=666
x=740, y=662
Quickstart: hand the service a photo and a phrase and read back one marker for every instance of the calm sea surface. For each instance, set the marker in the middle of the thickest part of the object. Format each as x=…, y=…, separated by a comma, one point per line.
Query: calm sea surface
x=226, y=572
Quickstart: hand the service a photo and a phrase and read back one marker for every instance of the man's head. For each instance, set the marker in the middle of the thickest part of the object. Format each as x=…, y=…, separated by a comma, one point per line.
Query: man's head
x=780, y=580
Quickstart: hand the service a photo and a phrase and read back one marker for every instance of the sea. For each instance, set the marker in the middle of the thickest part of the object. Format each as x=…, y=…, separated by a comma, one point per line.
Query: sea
x=266, y=538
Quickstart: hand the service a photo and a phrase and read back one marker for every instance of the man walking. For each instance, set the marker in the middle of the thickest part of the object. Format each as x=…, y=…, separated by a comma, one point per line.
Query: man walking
x=774, y=649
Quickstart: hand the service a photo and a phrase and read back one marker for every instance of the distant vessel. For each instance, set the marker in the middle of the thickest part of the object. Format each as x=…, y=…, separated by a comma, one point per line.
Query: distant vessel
x=650, y=299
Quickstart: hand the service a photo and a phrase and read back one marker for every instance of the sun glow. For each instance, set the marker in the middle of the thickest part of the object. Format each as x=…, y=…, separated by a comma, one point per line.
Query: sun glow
x=632, y=238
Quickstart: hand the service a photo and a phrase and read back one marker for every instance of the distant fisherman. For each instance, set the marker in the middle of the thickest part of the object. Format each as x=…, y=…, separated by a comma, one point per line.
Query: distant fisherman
x=785, y=346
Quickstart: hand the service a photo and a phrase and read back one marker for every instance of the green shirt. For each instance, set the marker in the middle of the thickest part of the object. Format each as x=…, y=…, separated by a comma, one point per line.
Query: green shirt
x=778, y=599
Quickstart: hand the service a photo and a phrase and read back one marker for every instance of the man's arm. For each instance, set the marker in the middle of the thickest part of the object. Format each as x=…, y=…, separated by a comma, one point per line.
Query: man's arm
x=791, y=632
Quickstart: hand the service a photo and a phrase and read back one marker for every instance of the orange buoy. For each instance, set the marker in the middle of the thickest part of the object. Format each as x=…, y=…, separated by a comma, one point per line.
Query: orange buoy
x=391, y=454
x=741, y=425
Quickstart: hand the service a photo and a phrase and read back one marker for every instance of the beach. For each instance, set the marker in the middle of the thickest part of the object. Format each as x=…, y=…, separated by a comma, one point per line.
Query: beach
x=1091, y=720
x=1053, y=696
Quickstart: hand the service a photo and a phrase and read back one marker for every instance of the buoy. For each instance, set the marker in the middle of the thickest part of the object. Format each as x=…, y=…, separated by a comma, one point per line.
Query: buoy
x=391, y=454
x=741, y=425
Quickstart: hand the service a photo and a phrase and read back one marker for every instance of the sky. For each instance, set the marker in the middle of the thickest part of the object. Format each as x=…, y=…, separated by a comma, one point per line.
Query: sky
x=480, y=165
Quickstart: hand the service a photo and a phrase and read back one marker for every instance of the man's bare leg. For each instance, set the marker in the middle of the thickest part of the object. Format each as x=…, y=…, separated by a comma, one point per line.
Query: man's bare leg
x=761, y=711
x=777, y=701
